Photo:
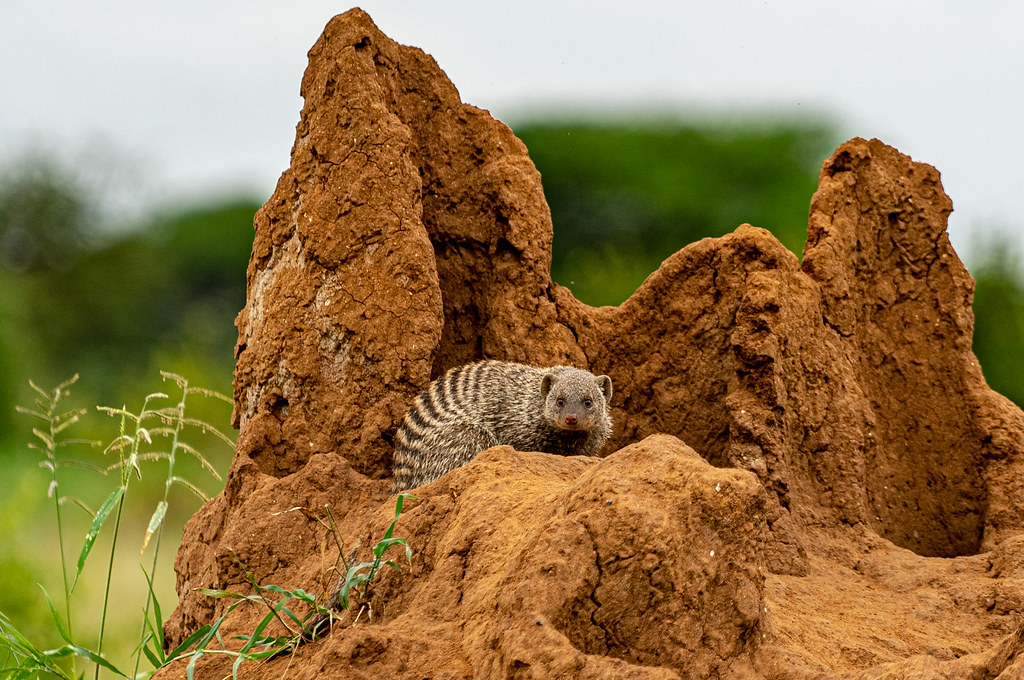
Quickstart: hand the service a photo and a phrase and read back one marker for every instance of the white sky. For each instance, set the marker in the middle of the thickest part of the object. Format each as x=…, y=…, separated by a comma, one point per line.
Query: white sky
x=203, y=96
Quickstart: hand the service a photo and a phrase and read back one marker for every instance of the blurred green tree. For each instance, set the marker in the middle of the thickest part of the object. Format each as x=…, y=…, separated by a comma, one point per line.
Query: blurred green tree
x=171, y=289
x=48, y=218
x=624, y=196
x=81, y=293
x=999, y=312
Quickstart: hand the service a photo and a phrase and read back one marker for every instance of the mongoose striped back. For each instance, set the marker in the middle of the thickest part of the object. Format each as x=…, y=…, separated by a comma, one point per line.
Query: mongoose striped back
x=560, y=410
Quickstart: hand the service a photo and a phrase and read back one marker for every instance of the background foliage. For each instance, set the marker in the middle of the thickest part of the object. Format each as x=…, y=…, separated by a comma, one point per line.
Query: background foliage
x=83, y=291
x=624, y=197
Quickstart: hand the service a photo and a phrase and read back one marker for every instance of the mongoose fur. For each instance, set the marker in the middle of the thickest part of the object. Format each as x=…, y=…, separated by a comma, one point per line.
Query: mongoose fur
x=560, y=410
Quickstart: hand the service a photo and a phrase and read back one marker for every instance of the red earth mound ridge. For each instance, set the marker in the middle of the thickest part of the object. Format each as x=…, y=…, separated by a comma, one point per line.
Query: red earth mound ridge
x=809, y=477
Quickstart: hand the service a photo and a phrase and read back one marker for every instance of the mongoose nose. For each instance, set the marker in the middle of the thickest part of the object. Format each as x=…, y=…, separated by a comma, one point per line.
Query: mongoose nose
x=570, y=420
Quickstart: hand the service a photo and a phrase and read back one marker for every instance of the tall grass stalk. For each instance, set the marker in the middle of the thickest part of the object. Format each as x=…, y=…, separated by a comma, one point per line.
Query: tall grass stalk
x=173, y=420
x=50, y=442
x=128, y=446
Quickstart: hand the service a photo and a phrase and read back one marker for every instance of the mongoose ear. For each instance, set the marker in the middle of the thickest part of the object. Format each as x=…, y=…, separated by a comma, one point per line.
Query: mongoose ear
x=545, y=384
x=605, y=383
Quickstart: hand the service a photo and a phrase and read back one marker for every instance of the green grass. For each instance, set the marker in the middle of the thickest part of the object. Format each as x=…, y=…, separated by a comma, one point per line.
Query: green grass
x=354, y=589
x=97, y=607
x=80, y=595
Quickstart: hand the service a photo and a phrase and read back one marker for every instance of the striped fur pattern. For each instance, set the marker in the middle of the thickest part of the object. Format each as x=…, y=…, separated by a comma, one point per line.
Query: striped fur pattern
x=560, y=410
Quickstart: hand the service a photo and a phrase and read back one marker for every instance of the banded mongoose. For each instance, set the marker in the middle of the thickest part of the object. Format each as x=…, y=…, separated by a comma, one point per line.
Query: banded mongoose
x=470, y=408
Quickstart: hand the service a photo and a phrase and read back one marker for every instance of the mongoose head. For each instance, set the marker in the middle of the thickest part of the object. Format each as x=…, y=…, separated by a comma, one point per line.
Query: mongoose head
x=575, y=400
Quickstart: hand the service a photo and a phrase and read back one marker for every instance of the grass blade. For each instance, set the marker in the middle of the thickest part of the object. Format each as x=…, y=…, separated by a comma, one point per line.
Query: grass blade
x=153, y=659
x=94, y=529
x=190, y=669
x=156, y=626
x=96, y=659
x=154, y=523
x=381, y=548
x=56, y=617
x=210, y=592
x=258, y=632
x=302, y=595
x=191, y=640
x=290, y=614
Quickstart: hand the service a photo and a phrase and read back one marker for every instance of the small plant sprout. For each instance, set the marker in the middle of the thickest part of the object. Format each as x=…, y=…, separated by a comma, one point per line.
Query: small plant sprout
x=277, y=599
x=359, y=577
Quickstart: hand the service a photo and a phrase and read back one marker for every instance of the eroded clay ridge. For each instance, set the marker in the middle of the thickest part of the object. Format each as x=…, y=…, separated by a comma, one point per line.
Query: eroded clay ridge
x=836, y=407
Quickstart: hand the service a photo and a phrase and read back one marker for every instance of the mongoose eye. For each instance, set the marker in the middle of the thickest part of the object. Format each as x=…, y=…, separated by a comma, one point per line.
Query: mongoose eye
x=560, y=402
x=588, y=402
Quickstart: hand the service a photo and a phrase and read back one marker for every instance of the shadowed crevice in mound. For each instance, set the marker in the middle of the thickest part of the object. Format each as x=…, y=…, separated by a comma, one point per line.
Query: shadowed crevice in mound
x=837, y=401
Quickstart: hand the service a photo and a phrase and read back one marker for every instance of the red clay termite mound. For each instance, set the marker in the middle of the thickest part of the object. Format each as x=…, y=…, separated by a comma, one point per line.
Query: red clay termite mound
x=845, y=504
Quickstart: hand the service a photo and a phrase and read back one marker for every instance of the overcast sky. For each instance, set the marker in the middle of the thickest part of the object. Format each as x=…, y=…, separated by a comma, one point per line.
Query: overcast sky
x=203, y=97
